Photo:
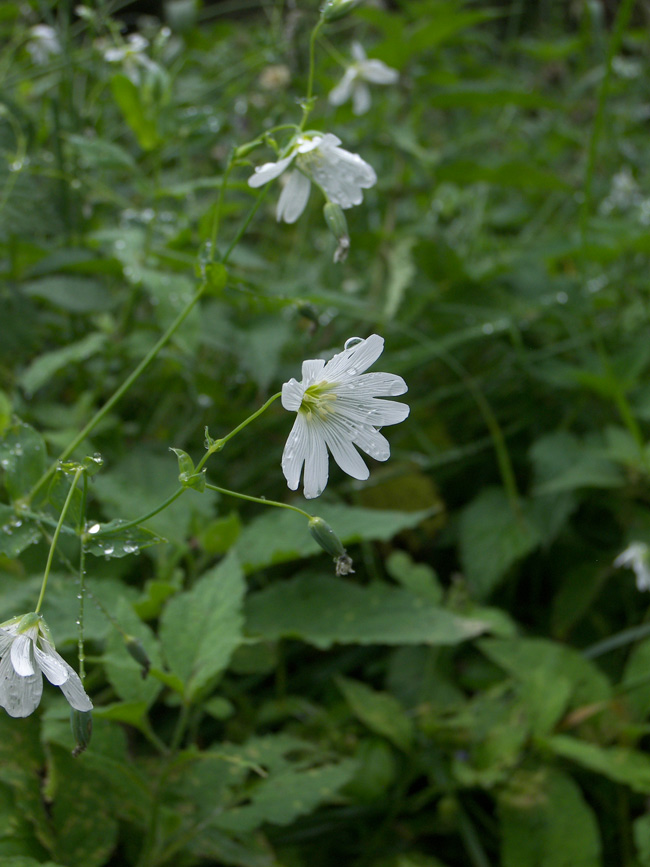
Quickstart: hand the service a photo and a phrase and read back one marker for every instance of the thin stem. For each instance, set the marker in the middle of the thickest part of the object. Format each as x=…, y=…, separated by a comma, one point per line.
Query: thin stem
x=126, y=526
x=217, y=208
x=119, y=393
x=260, y=500
x=55, y=538
x=621, y=22
x=244, y=225
x=82, y=580
x=217, y=445
x=307, y=105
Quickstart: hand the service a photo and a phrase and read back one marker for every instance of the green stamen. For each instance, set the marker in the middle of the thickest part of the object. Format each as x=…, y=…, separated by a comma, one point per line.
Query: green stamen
x=317, y=400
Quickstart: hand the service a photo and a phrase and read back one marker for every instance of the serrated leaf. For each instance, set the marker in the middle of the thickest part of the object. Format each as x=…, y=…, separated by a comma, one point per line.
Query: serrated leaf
x=16, y=533
x=279, y=536
x=43, y=368
x=620, y=764
x=380, y=711
x=119, y=542
x=325, y=610
x=123, y=672
x=201, y=628
x=22, y=457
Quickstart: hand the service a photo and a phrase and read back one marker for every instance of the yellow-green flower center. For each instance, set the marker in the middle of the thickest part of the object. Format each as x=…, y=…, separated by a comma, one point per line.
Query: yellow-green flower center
x=318, y=400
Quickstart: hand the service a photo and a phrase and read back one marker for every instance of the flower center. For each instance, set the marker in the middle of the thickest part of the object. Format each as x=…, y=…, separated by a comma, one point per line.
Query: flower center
x=318, y=400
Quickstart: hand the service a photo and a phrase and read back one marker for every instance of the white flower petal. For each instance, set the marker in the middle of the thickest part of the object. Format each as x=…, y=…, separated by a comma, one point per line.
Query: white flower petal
x=312, y=371
x=380, y=385
x=73, y=690
x=21, y=654
x=19, y=696
x=377, y=72
x=292, y=395
x=316, y=469
x=373, y=443
x=340, y=174
x=293, y=197
x=295, y=452
x=51, y=664
x=354, y=360
x=358, y=52
x=361, y=100
x=344, y=453
x=6, y=640
x=269, y=171
x=343, y=90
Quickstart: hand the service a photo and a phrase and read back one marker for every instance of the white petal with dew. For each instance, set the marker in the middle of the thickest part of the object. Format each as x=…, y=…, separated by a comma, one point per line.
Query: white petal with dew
x=373, y=443
x=73, y=690
x=377, y=72
x=295, y=452
x=316, y=464
x=51, y=664
x=21, y=654
x=361, y=100
x=19, y=696
x=355, y=360
x=344, y=453
x=6, y=640
x=269, y=171
x=312, y=371
x=293, y=198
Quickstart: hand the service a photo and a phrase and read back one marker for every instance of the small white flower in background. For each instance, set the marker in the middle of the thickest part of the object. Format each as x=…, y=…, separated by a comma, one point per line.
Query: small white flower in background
x=43, y=43
x=353, y=84
x=317, y=157
x=636, y=557
x=338, y=408
x=27, y=654
x=131, y=54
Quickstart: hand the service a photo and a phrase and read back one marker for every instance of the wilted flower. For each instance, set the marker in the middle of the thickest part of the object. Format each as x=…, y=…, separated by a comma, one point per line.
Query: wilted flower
x=338, y=408
x=43, y=43
x=27, y=653
x=317, y=157
x=635, y=557
x=353, y=84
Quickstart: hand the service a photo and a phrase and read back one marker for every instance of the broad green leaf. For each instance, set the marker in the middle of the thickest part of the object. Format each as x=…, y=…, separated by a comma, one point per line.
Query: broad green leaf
x=380, y=711
x=641, y=829
x=492, y=539
x=71, y=293
x=117, y=542
x=636, y=681
x=136, y=114
x=98, y=153
x=278, y=535
x=546, y=822
x=43, y=368
x=326, y=610
x=123, y=672
x=620, y=764
x=16, y=533
x=22, y=458
x=419, y=578
x=201, y=628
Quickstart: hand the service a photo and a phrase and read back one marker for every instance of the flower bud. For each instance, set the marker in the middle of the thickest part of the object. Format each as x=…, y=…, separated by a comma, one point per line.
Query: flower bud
x=330, y=542
x=81, y=723
x=338, y=225
x=332, y=10
x=136, y=650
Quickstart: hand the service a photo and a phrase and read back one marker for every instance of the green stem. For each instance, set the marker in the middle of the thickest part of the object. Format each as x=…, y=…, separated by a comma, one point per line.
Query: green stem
x=217, y=445
x=216, y=222
x=118, y=529
x=307, y=105
x=244, y=225
x=126, y=385
x=55, y=538
x=621, y=22
x=82, y=580
x=260, y=500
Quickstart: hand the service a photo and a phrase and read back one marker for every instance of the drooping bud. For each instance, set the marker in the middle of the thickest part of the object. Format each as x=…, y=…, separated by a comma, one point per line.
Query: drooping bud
x=81, y=723
x=136, y=650
x=330, y=542
x=338, y=225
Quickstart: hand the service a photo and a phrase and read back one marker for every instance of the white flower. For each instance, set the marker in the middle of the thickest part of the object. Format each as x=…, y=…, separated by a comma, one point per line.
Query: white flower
x=43, y=43
x=338, y=408
x=27, y=653
x=131, y=54
x=635, y=557
x=353, y=84
x=317, y=157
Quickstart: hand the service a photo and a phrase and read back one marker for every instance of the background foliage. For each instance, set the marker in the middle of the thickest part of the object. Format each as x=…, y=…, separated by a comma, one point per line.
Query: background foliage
x=478, y=691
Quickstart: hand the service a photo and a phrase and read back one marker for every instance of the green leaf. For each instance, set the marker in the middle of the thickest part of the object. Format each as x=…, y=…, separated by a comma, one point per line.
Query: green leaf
x=22, y=457
x=73, y=294
x=136, y=113
x=419, y=578
x=546, y=822
x=201, y=628
x=97, y=153
x=492, y=540
x=279, y=536
x=123, y=672
x=325, y=610
x=43, y=368
x=119, y=542
x=620, y=764
x=5, y=412
x=16, y=533
x=380, y=711
x=641, y=828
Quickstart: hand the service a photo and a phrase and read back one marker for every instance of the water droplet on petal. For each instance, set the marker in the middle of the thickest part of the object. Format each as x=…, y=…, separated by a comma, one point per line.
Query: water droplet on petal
x=352, y=341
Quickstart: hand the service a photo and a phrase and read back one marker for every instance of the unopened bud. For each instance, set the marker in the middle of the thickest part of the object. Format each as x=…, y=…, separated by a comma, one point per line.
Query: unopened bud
x=330, y=542
x=137, y=652
x=81, y=723
x=332, y=10
x=338, y=225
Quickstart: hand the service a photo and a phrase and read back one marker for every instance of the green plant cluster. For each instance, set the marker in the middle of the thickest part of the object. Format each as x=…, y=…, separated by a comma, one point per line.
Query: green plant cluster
x=476, y=692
